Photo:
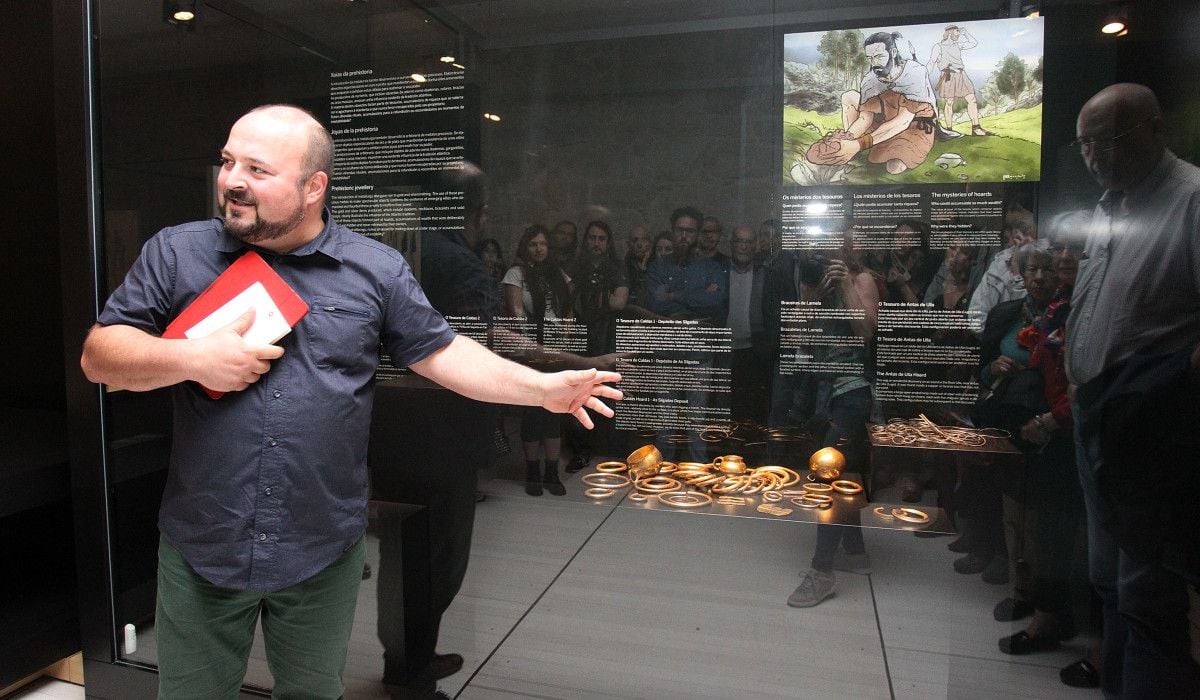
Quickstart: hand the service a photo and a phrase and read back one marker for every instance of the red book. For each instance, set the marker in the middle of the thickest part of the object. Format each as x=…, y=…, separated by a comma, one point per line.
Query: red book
x=249, y=283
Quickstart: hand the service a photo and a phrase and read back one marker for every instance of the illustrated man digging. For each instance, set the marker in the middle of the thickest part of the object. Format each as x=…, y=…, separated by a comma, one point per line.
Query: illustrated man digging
x=893, y=117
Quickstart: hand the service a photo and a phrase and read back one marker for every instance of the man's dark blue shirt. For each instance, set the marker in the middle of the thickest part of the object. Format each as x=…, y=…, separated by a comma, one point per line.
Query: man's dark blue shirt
x=268, y=486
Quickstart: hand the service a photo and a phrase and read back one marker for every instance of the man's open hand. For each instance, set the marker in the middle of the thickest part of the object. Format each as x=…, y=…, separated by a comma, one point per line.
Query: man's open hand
x=575, y=391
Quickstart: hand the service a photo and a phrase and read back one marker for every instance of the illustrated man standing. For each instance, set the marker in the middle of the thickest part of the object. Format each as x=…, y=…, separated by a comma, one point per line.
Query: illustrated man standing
x=265, y=504
x=953, y=81
x=1136, y=298
x=892, y=117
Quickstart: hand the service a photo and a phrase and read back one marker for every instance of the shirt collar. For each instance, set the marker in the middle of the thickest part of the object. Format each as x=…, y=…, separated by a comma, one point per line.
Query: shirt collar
x=1148, y=184
x=326, y=242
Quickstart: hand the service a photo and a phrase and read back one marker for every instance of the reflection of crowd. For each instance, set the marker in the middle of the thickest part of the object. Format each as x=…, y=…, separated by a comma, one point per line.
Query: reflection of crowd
x=1055, y=362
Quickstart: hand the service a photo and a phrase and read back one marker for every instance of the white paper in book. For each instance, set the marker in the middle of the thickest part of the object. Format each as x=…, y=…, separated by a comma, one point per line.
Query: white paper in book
x=269, y=322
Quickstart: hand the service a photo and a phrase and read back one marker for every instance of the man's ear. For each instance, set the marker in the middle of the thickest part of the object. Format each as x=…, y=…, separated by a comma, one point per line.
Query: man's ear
x=314, y=189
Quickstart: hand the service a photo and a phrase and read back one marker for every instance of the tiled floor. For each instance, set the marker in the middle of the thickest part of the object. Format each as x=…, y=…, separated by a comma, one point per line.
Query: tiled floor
x=48, y=689
x=568, y=599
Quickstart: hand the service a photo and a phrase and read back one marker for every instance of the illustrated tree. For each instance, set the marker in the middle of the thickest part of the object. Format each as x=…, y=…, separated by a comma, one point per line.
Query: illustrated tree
x=842, y=56
x=1010, y=76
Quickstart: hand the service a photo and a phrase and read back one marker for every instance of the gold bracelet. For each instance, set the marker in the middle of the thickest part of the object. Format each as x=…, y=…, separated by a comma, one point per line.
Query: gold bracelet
x=817, y=487
x=847, y=487
x=865, y=142
x=606, y=481
x=611, y=467
x=656, y=484
x=638, y=497
x=881, y=512
x=599, y=493
x=729, y=484
x=667, y=468
x=685, y=499
x=910, y=515
x=790, y=476
x=772, y=497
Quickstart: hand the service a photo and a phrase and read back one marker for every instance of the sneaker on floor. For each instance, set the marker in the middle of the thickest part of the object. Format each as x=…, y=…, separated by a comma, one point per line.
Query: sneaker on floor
x=996, y=571
x=1011, y=609
x=973, y=563
x=859, y=563
x=815, y=587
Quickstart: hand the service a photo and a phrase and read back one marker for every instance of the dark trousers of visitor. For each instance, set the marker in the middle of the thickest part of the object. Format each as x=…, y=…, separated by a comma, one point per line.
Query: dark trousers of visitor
x=1146, y=645
x=421, y=456
x=848, y=415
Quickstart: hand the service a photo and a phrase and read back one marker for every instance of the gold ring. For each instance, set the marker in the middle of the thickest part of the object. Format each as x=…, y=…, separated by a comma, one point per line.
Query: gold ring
x=611, y=467
x=910, y=515
x=847, y=487
x=667, y=468
x=805, y=503
x=606, y=481
x=772, y=497
x=598, y=493
x=685, y=499
x=817, y=487
x=729, y=484
x=637, y=497
x=699, y=466
x=882, y=513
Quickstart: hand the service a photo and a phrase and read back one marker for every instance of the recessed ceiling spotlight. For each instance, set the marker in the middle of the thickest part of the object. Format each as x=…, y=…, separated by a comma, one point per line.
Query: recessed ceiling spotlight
x=459, y=66
x=417, y=77
x=181, y=13
x=493, y=117
x=447, y=59
x=1114, y=27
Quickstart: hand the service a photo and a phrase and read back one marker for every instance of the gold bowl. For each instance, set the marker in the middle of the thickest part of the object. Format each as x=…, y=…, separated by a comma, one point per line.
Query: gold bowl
x=644, y=462
x=730, y=464
x=827, y=463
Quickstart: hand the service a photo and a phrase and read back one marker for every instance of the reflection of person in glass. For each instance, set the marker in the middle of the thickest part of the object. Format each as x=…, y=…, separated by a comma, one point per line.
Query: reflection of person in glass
x=537, y=289
x=891, y=117
x=1134, y=323
x=1021, y=352
x=841, y=404
x=686, y=284
x=750, y=362
x=564, y=242
x=664, y=245
x=953, y=81
x=601, y=289
x=637, y=258
x=265, y=504
x=711, y=232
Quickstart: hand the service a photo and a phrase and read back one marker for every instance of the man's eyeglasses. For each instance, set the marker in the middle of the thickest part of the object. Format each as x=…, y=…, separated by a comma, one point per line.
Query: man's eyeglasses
x=684, y=229
x=1109, y=143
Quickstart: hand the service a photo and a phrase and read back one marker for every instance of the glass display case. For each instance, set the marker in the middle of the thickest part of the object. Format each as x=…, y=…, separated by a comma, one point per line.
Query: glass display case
x=822, y=245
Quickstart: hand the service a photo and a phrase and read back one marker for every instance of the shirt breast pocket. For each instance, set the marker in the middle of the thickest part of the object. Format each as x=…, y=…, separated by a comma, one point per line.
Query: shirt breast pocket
x=339, y=334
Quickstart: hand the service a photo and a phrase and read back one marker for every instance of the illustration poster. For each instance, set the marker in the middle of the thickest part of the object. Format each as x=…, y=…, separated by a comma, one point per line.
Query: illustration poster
x=955, y=102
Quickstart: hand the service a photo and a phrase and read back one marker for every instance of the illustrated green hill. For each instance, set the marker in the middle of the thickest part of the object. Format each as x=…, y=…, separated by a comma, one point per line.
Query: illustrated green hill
x=1013, y=154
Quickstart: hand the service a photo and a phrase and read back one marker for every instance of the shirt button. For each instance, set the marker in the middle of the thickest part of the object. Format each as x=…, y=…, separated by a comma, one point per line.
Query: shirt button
x=277, y=393
x=262, y=536
x=274, y=442
x=268, y=491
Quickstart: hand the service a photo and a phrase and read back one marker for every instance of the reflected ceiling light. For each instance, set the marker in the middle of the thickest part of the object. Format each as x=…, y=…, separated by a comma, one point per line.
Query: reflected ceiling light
x=816, y=208
x=447, y=59
x=181, y=13
x=459, y=66
x=1116, y=23
x=493, y=117
x=417, y=77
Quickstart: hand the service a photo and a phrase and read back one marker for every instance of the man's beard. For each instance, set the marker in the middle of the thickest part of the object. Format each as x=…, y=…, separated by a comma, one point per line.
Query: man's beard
x=882, y=72
x=258, y=229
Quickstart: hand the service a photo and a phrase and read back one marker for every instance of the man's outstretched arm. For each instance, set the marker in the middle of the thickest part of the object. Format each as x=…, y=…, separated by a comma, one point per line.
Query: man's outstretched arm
x=466, y=367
